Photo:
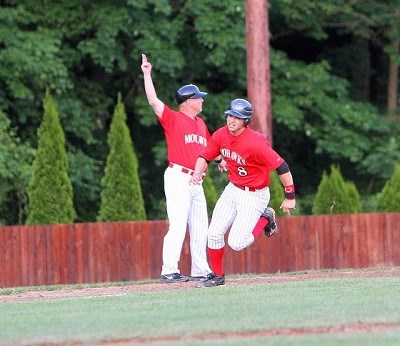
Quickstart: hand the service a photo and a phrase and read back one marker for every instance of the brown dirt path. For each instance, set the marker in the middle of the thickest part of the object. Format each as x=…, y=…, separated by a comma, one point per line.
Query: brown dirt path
x=156, y=286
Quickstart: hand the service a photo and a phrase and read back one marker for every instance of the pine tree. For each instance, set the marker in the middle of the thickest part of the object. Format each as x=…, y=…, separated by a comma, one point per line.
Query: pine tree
x=335, y=195
x=389, y=198
x=50, y=191
x=121, y=196
x=323, y=201
x=354, y=197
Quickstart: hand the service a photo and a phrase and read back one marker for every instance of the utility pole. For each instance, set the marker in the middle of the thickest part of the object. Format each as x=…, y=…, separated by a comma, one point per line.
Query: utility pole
x=258, y=66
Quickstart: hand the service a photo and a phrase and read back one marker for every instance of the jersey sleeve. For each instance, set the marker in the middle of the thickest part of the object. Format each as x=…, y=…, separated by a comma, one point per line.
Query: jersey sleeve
x=167, y=118
x=268, y=155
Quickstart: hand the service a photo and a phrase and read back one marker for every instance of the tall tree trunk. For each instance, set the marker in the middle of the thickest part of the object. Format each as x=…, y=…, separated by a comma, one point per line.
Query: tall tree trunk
x=393, y=83
x=393, y=78
x=258, y=65
x=361, y=69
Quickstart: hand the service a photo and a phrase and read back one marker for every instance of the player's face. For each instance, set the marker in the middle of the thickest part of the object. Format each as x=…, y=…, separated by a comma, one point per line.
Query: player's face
x=235, y=125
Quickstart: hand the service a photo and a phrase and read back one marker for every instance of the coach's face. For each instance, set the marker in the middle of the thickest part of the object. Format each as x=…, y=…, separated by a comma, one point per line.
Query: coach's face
x=195, y=104
x=235, y=125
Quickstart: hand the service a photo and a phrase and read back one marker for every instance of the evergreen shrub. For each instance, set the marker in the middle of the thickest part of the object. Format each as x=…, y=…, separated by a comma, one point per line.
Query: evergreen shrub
x=335, y=195
x=389, y=198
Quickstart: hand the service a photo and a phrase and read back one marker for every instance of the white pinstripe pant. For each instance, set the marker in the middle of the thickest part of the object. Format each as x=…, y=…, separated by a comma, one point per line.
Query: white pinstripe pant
x=238, y=210
x=186, y=207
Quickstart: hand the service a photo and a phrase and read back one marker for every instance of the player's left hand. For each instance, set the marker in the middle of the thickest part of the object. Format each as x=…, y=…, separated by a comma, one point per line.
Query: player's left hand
x=288, y=205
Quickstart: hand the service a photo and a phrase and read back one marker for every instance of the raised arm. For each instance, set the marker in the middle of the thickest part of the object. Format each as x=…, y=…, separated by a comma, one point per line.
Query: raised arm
x=154, y=101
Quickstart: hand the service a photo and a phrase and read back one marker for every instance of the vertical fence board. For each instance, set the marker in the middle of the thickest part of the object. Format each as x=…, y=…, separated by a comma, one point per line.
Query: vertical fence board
x=8, y=257
x=349, y=244
x=263, y=254
x=157, y=237
x=54, y=241
x=117, y=246
x=141, y=262
x=360, y=226
x=71, y=255
x=375, y=253
x=106, y=262
x=309, y=246
x=90, y=252
x=64, y=253
x=128, y=250
x=41, y=254
x=24, y=255
x=16, y=257
x=78, y=236
x=31, y=255
x=392, y=239
x=284, y=252
x=99, y=263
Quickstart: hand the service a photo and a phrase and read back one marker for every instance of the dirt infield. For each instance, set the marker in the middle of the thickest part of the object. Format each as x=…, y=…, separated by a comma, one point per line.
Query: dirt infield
x=111, y=289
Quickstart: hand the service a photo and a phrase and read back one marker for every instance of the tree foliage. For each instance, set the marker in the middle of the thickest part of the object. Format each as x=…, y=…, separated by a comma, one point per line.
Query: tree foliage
x=50, y=190
x=15, y=171
x=85, y=52
x=121, y=196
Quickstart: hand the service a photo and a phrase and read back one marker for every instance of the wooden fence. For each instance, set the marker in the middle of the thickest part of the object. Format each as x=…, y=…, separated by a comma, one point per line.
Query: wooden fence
x=118, y=251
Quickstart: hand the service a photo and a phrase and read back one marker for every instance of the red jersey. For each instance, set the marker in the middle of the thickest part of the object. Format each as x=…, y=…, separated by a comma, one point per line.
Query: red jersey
x=249, y=156
x=186, y=137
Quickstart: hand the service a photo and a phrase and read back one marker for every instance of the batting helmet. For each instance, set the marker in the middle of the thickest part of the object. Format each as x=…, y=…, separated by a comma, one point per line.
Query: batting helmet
x=189, y=91
x=241, y=109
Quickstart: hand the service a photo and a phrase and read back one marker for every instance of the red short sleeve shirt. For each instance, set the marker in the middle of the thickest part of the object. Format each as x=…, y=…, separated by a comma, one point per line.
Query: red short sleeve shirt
x=249, y=156
x=185, y=137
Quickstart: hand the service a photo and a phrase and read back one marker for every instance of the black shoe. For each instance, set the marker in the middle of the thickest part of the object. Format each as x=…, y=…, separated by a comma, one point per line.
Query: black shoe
x=212, y=281
x=197, y=278
x=272, y=227
x=175, y=277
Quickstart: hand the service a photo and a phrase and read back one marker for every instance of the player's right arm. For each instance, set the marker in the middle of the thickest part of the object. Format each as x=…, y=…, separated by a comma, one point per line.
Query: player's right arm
x=154, y=101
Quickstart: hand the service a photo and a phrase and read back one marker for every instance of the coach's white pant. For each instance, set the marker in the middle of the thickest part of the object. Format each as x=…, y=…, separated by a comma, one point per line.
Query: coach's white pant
x=186, y=206
x=238, y=210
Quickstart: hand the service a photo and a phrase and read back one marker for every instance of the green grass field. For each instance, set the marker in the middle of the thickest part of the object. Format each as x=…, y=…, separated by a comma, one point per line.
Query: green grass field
x=311, y=312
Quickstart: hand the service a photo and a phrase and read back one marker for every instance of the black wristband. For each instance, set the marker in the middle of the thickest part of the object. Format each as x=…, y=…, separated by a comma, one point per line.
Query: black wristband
x=290, y=192
x=218, y=161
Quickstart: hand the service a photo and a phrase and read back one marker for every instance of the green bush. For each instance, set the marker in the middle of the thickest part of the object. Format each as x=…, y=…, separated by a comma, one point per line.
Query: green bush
x=335, y=195
x=121, y=196
x=389, y=199
x=50, y=190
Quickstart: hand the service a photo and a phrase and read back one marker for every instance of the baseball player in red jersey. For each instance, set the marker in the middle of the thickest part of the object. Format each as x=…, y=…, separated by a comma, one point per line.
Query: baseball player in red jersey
x=186, y=135
x=243, y=205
